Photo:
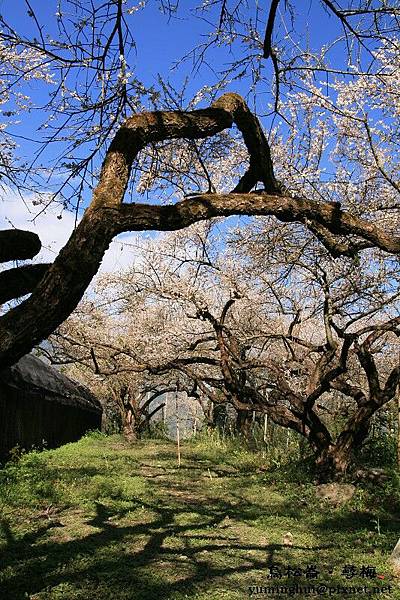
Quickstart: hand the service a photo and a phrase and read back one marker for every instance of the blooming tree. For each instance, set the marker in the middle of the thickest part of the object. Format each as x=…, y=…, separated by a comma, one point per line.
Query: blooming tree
x=353, y=122
x=264, y=325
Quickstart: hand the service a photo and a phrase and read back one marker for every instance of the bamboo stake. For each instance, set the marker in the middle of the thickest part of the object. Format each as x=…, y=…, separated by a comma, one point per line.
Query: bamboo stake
x=398, y=426
x=265, y=438
x=177, y=431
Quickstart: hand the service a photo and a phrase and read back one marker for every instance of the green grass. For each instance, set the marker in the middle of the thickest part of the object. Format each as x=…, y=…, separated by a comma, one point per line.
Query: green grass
x=101, y=520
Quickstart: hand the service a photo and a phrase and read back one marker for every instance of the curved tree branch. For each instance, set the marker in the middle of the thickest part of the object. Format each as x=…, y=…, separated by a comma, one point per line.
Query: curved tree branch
x=20, y=281
x=17, y=244
x=66, y=280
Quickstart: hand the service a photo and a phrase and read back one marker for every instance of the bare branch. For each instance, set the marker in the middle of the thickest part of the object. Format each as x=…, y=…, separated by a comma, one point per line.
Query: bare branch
x=270, y=28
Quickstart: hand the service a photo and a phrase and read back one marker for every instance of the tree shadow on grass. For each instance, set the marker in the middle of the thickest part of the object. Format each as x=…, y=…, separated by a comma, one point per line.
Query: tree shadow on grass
x=189, y=540
x=6, y=532
x=140, y=561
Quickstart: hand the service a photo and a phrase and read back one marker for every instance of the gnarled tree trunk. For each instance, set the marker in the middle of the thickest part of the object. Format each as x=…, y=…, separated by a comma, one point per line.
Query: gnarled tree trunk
x=244, y=420
x=334, y=460
x=128, y=427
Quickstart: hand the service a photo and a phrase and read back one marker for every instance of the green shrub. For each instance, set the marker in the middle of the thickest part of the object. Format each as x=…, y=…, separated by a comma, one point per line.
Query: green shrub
x=94, y=434
x=230, y=449
x=157, y=431
x=379, y=451
x=28, y=481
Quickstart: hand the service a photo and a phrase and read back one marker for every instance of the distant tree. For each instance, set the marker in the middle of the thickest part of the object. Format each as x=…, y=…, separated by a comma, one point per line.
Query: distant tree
x=93, y=347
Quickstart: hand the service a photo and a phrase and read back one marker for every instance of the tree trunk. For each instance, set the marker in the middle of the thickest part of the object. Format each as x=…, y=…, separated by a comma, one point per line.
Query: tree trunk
x=334, y=461
x=244, y=422
x=66, y=280
x=219, y=416
x=129, y=430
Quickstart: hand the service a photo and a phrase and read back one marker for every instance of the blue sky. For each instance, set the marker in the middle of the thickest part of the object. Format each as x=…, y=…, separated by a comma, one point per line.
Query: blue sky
x=162, y=41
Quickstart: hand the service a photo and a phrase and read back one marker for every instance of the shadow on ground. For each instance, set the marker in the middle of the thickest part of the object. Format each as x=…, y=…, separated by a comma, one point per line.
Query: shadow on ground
x=187, y=538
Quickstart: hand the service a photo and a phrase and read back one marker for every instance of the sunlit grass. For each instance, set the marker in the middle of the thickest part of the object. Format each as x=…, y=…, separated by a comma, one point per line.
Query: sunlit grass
x=100, y=519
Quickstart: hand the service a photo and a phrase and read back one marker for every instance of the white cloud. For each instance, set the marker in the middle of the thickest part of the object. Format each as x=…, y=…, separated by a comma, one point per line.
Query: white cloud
x=53, y=232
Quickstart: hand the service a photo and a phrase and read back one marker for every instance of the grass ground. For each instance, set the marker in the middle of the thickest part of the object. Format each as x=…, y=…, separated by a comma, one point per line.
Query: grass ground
x=100, y=520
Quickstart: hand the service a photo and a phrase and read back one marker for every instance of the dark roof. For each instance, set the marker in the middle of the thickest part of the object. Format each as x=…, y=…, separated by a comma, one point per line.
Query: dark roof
x=32, y=375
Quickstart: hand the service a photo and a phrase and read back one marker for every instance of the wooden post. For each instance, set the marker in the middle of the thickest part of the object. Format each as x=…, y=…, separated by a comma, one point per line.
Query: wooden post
x=177, y=430
x=398, y=426
x=211, y=413
x=148, y=412
x=265, y=437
